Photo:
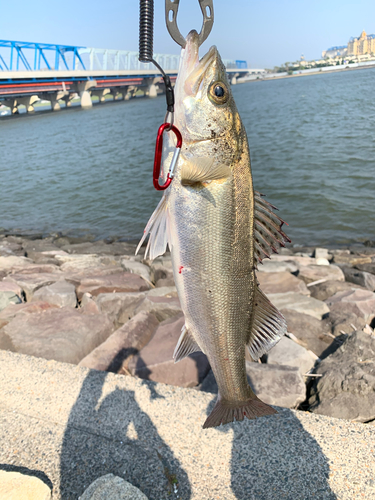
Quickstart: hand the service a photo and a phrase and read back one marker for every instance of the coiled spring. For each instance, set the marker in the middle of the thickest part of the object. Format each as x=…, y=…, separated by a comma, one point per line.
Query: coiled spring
x=146, y=30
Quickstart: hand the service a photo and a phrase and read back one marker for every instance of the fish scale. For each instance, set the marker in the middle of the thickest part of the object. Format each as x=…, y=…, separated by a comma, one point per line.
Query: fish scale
x=207, y=218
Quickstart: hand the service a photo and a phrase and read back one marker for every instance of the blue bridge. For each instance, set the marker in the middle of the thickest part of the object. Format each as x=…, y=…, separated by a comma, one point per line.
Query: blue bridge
x=30, y=72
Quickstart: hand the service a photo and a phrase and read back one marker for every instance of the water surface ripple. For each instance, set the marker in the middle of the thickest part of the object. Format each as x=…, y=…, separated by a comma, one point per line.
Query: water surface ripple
x=312, y=142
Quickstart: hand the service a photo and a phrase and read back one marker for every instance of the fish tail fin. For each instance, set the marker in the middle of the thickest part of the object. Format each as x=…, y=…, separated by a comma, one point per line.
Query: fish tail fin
x=225, y=412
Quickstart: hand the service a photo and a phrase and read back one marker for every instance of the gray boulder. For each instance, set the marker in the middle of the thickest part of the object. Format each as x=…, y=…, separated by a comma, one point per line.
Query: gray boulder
x=7, y=298
x=133, y=266
x=289, y=353
x=359, y=302
x=281, y=282
x=362, y=278
x=347, y=387
x=119, y=307
x=162, y=307
x=30, y=283
x=313, y=273
x=271, y=266
x=60, y=334
x=368, y=268
x=312, y=333
x=120, y=282
x=323, y=291
x=61, y=293
x=155, y=361
x=300, y=303
x=110, y=487
x=113, y=354
x=345, y=322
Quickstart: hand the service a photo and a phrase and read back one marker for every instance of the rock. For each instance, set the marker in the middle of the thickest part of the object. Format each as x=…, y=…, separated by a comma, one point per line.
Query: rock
x=322, y=262
x=110, y=487
x=297, y=260
x=345, y=322
x=359, y=302
x=39, y=245
x=289, y=353
x=347, y=388
x=135, y=267
x=350, y=259
x=97, y=247
x=300, y=303
x=270, y=266
x=77, y=276
x=5, y=342
x=322, y=253
x=88, y=305
x=77, y=263
x=16, y=486
x=12, y=310
x=61, y=293
x=162, y=307
x=60, y=334
x=323, y=291
x=314, y=273
x=36, y=269
x=161, y=268
x=362, y=278
x=281, y=283
x=7, y=298
x=312, y=333
x=119, y=307
x=163, y=291
x=273, y=384
x=155, y=361
x=10, y=286
x=30, y=283
x=121, y=282
x=367, y=268
x=113, y=354
x=162, y=283
x=6, y=263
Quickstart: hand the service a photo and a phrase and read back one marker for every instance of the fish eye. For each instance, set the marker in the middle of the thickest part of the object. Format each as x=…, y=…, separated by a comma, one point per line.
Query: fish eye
x=218, y=93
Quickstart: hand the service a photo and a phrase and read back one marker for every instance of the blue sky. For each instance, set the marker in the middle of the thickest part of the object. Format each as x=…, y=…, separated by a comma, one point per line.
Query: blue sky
x=265, y=33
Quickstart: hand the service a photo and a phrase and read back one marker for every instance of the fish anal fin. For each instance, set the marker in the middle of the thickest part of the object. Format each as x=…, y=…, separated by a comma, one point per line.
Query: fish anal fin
x=203, y=169
x=268, y=326
x=225, y=412
x=157, y=227
x=186, y=345
x=268, y=236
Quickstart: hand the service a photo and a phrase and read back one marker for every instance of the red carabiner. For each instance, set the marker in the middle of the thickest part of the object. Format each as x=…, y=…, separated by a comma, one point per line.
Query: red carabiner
x=158, y=152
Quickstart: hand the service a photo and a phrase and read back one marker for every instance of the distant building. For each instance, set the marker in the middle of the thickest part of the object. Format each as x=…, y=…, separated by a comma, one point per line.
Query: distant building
x=364, y=44
x=332, y=52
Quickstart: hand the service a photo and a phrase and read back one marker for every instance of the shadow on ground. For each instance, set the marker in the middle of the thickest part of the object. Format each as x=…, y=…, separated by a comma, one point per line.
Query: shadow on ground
x=113, y=435
x=28, y=472
x=275, y=458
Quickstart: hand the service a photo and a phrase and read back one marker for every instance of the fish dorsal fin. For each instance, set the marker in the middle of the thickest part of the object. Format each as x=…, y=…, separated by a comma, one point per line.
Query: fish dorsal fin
x=202, y=169
x=158, y=229
x=268, y=236
x=186, y=345
x=268, y=326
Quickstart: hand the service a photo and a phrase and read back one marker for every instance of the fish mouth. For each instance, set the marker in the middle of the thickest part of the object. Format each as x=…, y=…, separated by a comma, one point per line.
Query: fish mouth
x=195, y=68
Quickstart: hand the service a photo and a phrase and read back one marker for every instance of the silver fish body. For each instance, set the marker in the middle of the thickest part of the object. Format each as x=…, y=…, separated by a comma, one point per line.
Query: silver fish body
x=217, y=228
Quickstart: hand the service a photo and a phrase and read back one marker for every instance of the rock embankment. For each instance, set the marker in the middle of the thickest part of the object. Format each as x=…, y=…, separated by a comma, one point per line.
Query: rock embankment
x=97, y=305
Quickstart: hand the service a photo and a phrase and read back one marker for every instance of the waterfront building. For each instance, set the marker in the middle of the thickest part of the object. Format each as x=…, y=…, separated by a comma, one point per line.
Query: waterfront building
x=364, y=44
x=332, y=52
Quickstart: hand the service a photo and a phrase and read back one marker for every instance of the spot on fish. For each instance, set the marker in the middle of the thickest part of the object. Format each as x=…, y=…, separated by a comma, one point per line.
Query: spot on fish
x=180, y=269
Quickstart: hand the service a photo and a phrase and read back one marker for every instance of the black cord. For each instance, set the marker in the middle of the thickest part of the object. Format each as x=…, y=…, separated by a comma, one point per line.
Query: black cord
x=146, y=44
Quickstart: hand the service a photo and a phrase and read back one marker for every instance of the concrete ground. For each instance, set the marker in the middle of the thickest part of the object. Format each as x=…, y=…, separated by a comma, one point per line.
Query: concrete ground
x=70, y=425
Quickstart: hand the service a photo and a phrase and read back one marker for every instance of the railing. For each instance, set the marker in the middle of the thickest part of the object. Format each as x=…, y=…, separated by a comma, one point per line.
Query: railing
x=21, y=56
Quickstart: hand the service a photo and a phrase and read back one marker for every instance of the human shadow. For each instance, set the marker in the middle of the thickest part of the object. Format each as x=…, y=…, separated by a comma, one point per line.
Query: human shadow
x=274, y=457
x=113, y=435
x=28, y=472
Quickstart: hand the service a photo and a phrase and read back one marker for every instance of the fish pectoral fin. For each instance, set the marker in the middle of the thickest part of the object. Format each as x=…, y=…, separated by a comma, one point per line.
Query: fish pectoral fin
x=186, y=345
x=158, y=229
x=268, y=326
x=202, y=169
x=268, y=236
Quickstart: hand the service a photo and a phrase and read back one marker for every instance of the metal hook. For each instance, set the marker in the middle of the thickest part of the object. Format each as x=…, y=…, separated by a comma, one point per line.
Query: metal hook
x=207, y=8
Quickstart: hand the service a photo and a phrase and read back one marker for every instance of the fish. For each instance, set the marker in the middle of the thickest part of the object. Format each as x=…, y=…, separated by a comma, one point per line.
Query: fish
x=218, y=230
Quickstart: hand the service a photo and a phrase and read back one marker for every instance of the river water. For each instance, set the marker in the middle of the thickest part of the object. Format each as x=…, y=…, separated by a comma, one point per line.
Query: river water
x=312, y=142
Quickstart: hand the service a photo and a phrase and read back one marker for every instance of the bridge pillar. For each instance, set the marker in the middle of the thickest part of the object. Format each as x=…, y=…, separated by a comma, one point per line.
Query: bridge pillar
x=101, y=93
x=54, y=98
x=152, y=88
x=234, y=79
x=130, y=92
x=68, y=98
x=27, y=101
x=83, y=90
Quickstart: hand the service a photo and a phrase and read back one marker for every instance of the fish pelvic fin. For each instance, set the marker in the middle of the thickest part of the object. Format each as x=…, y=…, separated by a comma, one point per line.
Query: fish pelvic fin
x=158, y=229
x=202, y=169
x=268, y=326
x=225, y=412
x=186, y=345
x=268, y=236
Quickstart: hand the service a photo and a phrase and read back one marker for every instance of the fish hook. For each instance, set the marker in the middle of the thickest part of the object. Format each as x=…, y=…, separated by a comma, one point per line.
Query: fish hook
x=171, y=9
